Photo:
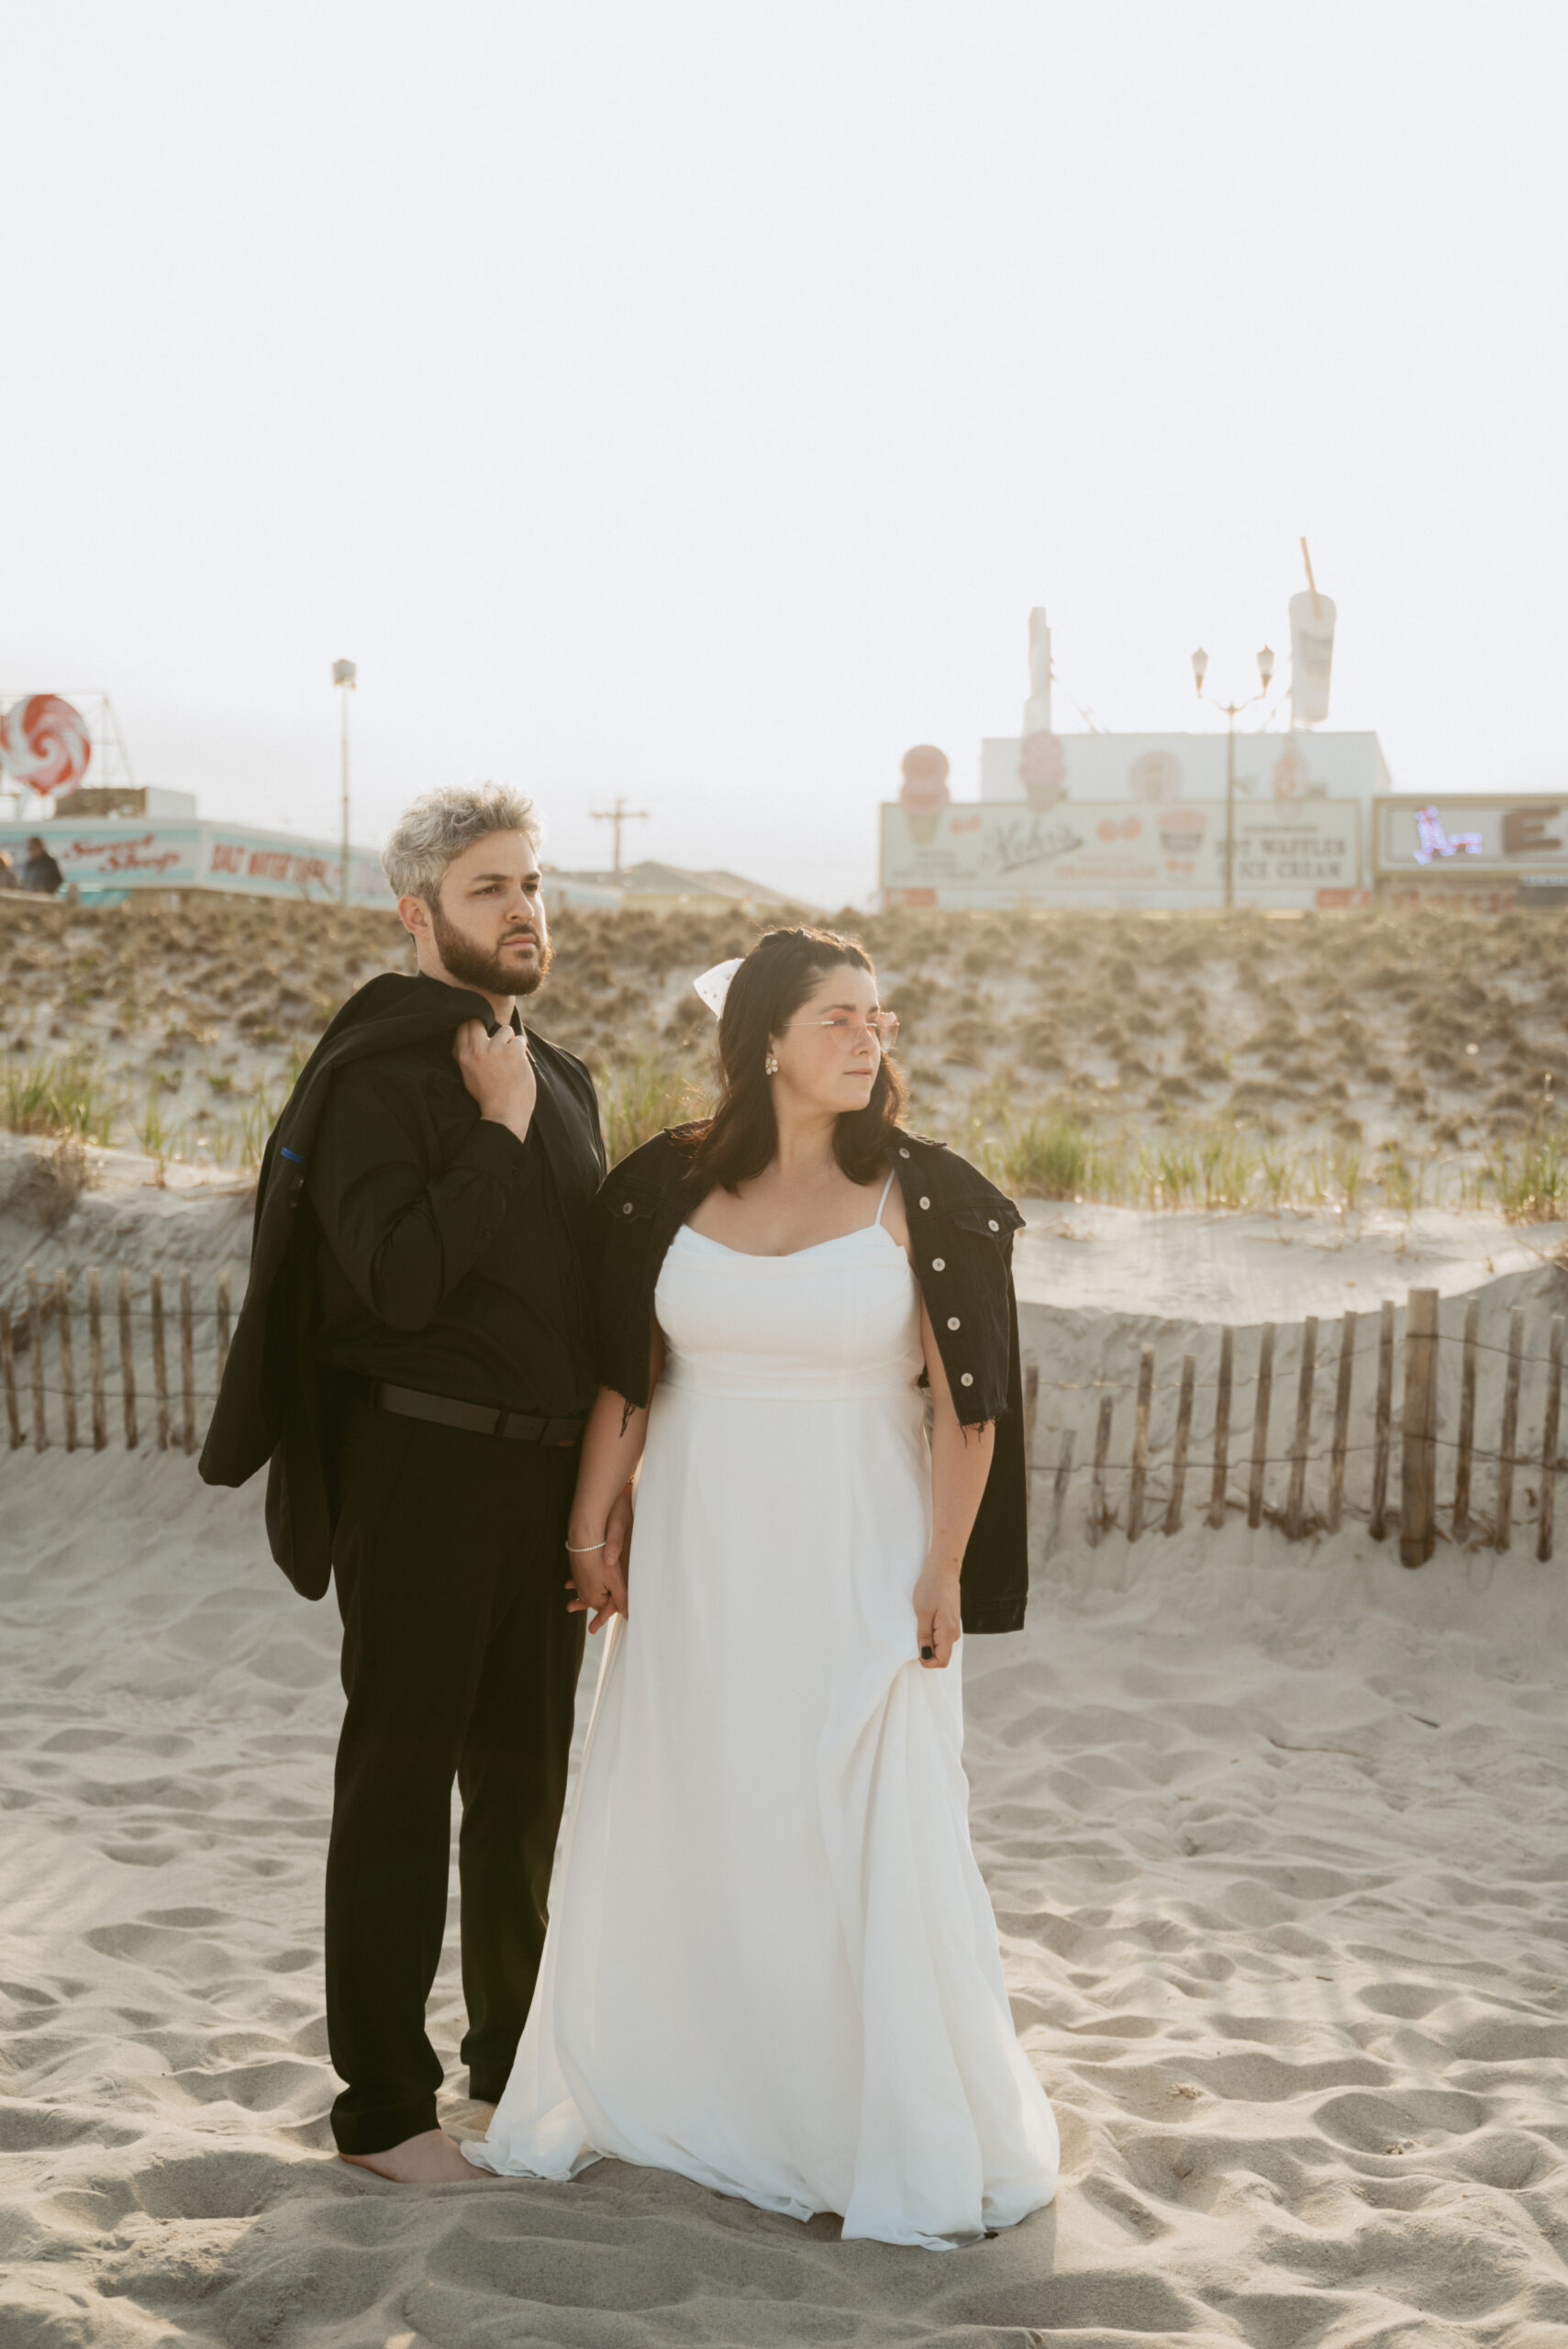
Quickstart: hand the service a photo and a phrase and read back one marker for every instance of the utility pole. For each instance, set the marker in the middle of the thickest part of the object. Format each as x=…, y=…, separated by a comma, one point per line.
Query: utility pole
x=618, y=815
x=344, y=673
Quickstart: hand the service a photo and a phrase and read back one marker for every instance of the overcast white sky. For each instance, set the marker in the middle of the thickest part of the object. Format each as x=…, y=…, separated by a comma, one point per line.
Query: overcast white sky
x=690, y=397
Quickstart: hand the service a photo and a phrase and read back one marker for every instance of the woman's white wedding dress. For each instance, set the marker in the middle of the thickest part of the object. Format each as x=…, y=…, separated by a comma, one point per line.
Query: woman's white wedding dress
x=772, y=1963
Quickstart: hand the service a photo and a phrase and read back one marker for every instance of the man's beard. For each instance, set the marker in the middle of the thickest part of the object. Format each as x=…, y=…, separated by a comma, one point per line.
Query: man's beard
x=476, y=967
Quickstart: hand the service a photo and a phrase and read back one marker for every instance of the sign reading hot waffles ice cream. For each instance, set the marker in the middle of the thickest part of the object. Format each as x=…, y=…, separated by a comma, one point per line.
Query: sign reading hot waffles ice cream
x=983, y=853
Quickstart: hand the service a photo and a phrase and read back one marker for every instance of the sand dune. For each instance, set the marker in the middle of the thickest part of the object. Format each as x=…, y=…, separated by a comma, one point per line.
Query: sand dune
x=1395, y=1047
x=1277, y=1838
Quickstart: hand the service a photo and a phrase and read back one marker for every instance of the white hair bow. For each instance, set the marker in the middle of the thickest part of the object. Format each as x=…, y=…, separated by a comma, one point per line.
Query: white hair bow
x=713, y=985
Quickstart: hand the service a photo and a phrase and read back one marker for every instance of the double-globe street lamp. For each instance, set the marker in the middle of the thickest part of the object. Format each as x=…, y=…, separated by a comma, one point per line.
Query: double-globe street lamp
x=1232, y=711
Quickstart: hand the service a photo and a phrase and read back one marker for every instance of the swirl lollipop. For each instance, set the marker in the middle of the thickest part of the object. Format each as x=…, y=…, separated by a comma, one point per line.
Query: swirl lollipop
x=44, y=743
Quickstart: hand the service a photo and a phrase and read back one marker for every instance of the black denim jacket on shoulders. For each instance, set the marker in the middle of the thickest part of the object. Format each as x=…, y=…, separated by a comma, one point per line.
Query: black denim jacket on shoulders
x=960, y=1230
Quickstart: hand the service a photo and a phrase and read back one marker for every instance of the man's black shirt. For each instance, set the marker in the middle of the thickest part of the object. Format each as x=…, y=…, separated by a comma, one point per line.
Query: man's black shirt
x=449, y=1261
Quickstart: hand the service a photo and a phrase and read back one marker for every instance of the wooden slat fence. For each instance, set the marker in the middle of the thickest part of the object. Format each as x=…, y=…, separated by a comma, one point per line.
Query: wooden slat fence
x=155, y=1352
x=142, y=1345
x=1431, y=1423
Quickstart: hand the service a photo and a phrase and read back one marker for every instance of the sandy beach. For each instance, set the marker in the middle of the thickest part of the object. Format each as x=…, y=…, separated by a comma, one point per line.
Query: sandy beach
x=1032, y=534
x=1278, y=1836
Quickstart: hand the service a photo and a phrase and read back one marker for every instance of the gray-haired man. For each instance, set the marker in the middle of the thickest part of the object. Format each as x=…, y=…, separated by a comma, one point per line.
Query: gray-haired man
x=441, y=1165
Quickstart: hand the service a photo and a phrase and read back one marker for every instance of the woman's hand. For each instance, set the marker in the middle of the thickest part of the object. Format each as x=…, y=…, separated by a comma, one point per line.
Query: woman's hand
x=617, y=1533
x=600, y=1564
x=598, y=1590
x=937, y=1619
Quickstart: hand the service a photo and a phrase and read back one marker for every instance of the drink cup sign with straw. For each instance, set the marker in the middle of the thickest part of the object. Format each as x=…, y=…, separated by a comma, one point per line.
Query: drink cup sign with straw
x=1312, y=617
x=925, y=791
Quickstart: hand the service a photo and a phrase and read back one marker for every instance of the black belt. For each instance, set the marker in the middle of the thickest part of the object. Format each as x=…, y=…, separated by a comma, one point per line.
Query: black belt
x=483, y=1418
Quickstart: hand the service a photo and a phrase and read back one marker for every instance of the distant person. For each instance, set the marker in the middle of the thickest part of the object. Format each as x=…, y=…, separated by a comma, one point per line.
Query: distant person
x=8, y=879
x=40, y=871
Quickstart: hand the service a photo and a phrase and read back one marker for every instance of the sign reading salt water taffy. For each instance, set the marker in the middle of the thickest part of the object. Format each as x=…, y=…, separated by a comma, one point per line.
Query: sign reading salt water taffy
x=112, y=857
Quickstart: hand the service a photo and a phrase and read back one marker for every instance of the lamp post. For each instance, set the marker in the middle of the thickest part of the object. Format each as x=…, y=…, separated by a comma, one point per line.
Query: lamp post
x=1232, y=712
x=344, y=673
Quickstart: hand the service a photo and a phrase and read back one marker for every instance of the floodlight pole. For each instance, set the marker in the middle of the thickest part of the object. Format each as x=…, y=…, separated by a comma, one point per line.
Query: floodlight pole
x=344, y=673
x=1232, y=712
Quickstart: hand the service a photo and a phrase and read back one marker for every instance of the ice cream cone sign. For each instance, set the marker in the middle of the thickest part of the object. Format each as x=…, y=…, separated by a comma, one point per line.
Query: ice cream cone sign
x=925, y=793
x=1042, y=769
x=1290, y=776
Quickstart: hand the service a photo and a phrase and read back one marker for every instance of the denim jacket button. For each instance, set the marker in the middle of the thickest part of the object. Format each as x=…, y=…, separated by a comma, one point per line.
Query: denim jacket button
x=967, y=1379
x=994, y=1225
x=625, y=1207
x=952, y=1322
x=925, y=1203
x=938, y=1263
x=903, y=1153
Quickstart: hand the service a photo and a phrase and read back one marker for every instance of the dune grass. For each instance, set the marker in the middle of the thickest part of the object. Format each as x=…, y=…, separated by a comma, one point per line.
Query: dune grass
x=63, y=1098
x=257, y=1118
x=1385, y=1059
x=1531, y=1182
x=640, y=1096
x=1050, y=1154
x=1051, y=1158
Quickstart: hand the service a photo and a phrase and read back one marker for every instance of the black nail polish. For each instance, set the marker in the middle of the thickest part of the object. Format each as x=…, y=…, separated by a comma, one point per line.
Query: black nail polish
x=926, y=1654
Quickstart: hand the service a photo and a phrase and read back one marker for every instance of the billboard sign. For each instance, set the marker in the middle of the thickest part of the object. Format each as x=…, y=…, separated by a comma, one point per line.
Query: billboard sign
x=1452, y=835
x=985, y=852
x=109, y=859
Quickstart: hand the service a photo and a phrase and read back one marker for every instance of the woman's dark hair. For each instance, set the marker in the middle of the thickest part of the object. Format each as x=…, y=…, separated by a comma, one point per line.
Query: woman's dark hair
x=739, y=1139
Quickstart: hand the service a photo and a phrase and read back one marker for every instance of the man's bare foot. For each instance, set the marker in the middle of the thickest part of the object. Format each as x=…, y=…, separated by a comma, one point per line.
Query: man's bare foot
x=429, y=2159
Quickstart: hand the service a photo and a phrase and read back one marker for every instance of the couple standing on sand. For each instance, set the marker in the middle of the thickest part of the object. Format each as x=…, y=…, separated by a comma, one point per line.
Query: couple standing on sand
x=771, y=1965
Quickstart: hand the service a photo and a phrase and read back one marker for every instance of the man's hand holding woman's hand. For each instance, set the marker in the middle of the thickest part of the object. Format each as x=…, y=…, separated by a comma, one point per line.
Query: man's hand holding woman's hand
x=599, y=1576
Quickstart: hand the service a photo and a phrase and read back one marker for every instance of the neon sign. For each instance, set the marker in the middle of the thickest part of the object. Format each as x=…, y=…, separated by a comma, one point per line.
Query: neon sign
x=1432, y=841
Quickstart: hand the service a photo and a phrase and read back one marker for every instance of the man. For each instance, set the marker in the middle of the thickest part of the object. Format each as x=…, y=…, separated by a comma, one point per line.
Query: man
x=415, y=1357
x=40, y=871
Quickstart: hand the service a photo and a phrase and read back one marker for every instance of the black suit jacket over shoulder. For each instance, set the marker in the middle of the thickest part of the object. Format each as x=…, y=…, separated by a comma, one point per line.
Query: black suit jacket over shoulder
x=960, y=1230
x=276, y=1407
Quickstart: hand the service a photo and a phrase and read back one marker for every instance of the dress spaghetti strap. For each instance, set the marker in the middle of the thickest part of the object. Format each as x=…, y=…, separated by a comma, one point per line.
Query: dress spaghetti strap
x=881, y=1202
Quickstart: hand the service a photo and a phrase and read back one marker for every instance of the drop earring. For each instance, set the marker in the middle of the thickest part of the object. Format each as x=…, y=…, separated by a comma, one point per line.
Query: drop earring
x=771, y=1066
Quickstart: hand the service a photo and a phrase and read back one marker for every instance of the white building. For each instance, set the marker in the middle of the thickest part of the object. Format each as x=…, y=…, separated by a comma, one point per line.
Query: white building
x=1156, y=769
x=1139, y=819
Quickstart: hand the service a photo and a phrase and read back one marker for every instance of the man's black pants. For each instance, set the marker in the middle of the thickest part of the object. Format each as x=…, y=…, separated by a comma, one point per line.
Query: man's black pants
x=460, y=1660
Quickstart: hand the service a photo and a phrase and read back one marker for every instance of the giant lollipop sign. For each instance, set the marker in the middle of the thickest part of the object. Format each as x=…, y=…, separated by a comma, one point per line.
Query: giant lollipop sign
x=44, y=743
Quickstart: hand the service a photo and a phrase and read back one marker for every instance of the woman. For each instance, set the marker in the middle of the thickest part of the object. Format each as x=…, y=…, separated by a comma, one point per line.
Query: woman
x=772, y=1964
